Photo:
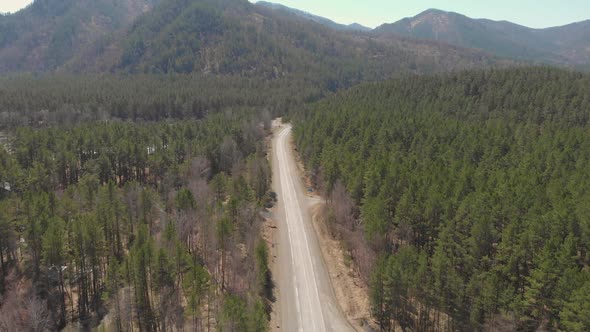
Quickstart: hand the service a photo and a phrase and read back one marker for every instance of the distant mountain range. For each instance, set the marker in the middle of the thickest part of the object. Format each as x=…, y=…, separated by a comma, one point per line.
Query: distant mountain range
x=565, y=45
x=217, y=37
x=266, y=39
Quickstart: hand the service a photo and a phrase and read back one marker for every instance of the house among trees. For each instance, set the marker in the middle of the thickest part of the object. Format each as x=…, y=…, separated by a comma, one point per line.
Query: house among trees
x=5, y=188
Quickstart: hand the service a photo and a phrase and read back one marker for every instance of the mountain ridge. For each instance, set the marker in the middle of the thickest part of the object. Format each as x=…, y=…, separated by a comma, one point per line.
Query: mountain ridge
x=318, y=19
x=561, y=45
x=236, y=37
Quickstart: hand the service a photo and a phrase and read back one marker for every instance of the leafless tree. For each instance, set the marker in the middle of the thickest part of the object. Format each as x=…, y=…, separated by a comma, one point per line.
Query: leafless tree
x=266, y=119
x=259, y=175
x=171, y=312
x=39, y=315
x=199, y=168
x=127, y=308
x=12, y=311
x=343, y=206
x=229, y=154
x=252, y=132
x=344, y=224
x=132, y=201
x=185, y=224
x=203, y=197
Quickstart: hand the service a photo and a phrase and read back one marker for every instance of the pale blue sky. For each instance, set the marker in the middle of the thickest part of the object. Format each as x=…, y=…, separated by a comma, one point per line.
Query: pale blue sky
x=11, y=6
x=532, y=13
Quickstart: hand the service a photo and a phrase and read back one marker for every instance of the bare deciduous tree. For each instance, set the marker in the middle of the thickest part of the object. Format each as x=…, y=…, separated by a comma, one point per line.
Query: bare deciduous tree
x=12, y=311
x=266, y=119
x=259, y=175
x=39, y=315
x=343, y=206
x=171, y=312
x=199, y=168
x=229, y=154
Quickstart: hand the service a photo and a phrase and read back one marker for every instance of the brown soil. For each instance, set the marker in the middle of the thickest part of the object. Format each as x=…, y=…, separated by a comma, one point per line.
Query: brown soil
x=351, y=291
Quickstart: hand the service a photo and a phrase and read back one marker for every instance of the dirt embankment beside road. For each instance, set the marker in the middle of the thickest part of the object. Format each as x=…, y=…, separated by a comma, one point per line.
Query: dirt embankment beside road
x=351, y=291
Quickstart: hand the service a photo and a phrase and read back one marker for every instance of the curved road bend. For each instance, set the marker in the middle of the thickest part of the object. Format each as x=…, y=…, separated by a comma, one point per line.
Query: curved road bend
x=307, y=301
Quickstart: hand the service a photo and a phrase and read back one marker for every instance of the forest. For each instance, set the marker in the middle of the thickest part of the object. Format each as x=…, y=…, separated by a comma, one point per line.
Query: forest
x=44, y=100
x=135, y=183
x=106, y=213
x=463, y=199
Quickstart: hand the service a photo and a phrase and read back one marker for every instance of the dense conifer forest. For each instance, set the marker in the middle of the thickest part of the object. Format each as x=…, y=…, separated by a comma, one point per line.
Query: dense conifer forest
x=463, y=198
x=157, y=224
x=65, y=99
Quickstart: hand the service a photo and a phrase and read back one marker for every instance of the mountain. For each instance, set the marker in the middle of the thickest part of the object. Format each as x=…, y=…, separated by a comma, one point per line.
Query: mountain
x=568, y=44
x=218, y=37
x=318, y=19
x=227, y=37
x=48, y=33
x=358, y=27
x=573, y=40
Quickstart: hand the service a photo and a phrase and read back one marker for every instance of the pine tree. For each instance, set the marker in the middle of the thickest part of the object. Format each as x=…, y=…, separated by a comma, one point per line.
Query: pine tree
x=575, y=315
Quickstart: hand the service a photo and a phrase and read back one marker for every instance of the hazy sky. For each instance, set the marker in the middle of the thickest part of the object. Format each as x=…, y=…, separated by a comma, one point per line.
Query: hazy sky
x=12, y=6
x=532, y=13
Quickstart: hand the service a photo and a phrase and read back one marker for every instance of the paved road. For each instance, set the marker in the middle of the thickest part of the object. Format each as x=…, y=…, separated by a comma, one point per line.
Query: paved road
x=306, y=297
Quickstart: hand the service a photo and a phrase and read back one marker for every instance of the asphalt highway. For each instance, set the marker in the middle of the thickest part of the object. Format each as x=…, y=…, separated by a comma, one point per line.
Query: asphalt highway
x=306, y=297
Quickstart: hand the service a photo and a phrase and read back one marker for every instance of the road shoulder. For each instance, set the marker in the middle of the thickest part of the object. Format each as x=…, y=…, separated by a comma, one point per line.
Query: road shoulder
x=351, y=291
x=272, y=237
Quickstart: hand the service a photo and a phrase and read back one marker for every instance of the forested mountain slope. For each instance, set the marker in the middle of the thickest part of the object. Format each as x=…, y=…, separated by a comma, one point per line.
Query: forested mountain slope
x=236, y=37
x=211, y=37
x=566, y=45
x=473, y=190
x=48, y=33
